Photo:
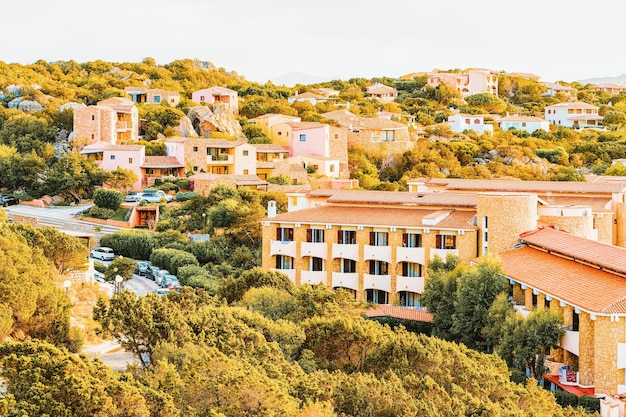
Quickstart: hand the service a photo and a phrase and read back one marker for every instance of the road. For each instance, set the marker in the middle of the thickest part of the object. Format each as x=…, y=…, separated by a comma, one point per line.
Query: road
x=63, y=218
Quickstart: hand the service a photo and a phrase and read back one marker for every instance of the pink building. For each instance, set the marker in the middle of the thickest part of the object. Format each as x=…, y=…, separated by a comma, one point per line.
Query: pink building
x=305, y=138
x=109, y=157
x=382, y=92
x=112, y=120
x=217, y=95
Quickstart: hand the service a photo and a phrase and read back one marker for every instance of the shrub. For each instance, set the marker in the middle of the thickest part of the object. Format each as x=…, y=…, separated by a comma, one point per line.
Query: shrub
x=590, y=404
x=107, y=198
x=185, y=196
x=172, y=259
x=564, y=399
x=99, y=266
x=101, y=212
x=132, y=244
x=282, y=179
x=183, y=184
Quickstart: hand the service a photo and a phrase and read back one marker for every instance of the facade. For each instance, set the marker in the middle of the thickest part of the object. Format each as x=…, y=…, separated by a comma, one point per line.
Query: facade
x=610, y=88
x=584, y=282
x=310, y=97
x=468, y=82
x=202, y=183
x=372, y=133
x=526, y=123
x=110, y=157
x=217, y=95
x=382, y=93
x=320, y=165
x=268, y=157
x=304, y=138
x=573, y=115
x=214, y=156
x=460, y=122
x=554, y=88
x=267, y=123
x=112, y=120
x=152, y=95
x=154, y=167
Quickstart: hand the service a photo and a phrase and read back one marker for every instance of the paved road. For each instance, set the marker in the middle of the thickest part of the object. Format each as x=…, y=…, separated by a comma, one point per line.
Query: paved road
x=60, y=217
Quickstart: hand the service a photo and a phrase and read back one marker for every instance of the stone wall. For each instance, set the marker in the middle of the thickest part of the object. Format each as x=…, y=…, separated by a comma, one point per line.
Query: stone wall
x=607, y=334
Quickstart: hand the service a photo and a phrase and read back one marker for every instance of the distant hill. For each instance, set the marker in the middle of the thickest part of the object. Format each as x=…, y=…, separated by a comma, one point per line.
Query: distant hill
x=620, y=79
x=294, y=78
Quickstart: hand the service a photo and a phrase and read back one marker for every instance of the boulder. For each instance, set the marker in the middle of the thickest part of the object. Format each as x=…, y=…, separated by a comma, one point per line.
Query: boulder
x=220, y=119
x=71, y=105
x=185, y=128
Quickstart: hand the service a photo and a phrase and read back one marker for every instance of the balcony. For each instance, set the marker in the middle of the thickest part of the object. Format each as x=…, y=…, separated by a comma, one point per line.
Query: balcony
x=219, y=159
x=283, y=247
x=412, y=284
x=291, y=273
x=313, y=277
x=377, y=282
x=121, y=125
x=346, y=251
x=570, y=342
x=377, y=253
x=416, y=255
x=346, y=280
x=443, y=253
x=317, y=250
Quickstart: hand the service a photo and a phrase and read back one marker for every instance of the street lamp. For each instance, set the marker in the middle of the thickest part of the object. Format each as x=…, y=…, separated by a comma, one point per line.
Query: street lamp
x=118, y=283
x=67, y=284
x=203, y=221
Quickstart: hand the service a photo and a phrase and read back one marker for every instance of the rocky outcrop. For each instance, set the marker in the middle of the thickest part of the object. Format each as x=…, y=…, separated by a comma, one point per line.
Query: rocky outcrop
x=71, y=105
x=185, y=128
x=220, y=119
x=25, y=105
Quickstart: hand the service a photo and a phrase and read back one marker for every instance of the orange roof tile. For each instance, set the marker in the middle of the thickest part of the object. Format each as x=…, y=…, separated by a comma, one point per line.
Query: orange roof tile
x=607, y=256
x=525, y=186
x=375, y=216
x=402, y=198
x=161, y=162
x=404, y=313
x=579, y=285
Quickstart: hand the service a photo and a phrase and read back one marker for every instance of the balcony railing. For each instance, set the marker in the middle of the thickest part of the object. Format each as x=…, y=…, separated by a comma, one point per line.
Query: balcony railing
x=313, y=277
x=346, y=280
x=281, y=247
x=570, y=342
x=212, y=159
x=377, y=253
x=318, y=250
x=345, y=251
x=291, y=273
x=377, y=282
x=412, y=284
x=121, y=125
x=416, y=255
x=442, y=253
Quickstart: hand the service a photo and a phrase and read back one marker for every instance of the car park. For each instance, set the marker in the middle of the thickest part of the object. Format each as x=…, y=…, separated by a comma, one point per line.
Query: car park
x=169, y=281
x=133, y=197
x=142, y=268
x=158, y=278
x=103, y=253
x=9, y=200
x=154, y=270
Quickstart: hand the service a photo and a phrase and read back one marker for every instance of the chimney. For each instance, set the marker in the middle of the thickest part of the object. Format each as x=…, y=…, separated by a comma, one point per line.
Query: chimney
x=271, y=209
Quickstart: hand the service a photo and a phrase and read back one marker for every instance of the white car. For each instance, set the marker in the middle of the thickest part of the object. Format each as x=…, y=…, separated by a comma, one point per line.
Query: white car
x=133, y=197
x=103, y=253
x=155, y=196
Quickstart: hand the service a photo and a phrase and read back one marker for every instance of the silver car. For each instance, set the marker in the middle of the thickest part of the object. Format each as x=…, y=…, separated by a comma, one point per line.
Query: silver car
x=103, y=253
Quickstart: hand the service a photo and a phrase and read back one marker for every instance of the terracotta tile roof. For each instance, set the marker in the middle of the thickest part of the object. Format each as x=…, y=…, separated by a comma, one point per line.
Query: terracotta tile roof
x=217, y=91
x=579, y=285
x=375, y=216
x=305, y=125
x=597, y=204
x=268, y=115
x=404, y=313
x=347, y=119
x=525, y=186
x=574, y=105
x=102, y=146
x=309, y=94
x=531, y=119
x=222, y=143
x=585, y=117
x=609, y=257
x=161, y=162
x=178, y=139
x=118, y=104
x=404, y=198
x=269, y=148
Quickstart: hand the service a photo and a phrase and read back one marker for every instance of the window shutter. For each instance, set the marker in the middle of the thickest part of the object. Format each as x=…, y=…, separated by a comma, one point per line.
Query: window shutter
x=309, y=235
x=438, y=243
x=340, y=236
x=278, y=266
x=405, y=239
x=372, y=238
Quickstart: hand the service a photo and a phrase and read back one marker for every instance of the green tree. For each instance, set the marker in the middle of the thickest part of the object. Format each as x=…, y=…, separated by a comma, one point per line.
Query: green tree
x=107, y=198
x=122, y=179
x=121, y=266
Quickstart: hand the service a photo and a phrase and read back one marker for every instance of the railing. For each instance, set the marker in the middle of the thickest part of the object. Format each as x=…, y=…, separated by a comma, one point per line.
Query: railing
x=291, y=273
x=280, y=247
x=123, y=125
x=346, y=280
x=315, y=249
x=377, y=282
x=412, y=284
x=346, y=251
x=570, y=342
x=313, y=277
x=417, y=255
x=442, y=253
x=377, y=253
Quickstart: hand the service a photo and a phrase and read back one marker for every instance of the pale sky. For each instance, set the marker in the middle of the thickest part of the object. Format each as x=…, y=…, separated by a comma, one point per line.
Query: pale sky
x=263, y=39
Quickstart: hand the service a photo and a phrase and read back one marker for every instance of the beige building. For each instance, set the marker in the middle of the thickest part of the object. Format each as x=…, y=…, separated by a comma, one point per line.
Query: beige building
x=214, y=156
x=151, y=95
x=467, y=82
x=269, y=121
x=113, y=120
x=204, y=182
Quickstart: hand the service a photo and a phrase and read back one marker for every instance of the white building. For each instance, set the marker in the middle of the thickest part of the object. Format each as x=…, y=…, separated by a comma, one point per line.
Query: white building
x=575, y=115
x=525, y=123
x=460, y=122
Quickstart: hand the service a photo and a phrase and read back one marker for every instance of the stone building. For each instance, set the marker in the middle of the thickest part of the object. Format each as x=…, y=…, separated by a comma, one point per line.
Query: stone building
x=112, y=120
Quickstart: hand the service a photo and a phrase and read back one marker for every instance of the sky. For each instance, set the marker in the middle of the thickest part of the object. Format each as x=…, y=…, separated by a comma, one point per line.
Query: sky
x=263, y=40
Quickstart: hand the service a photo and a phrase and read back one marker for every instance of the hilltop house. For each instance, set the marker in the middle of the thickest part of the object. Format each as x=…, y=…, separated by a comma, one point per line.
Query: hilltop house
x=526, y=123
x=310, y=97
x=214, y=156
x=382, y=92
x=460, y=122
x=112, y=120
x=574, y=115
x=468, y=82
x=217, y=95
x=151, y=95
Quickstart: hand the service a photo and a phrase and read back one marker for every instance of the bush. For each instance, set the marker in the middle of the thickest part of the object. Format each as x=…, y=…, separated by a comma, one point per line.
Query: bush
x=183, y=184
x=564, y=399
x=172, y=259
x=101, y=212
x=282, y=179
x=106, y=198
x=131, y=244
x=99, y=266
x=185, y=196
x=590, y=404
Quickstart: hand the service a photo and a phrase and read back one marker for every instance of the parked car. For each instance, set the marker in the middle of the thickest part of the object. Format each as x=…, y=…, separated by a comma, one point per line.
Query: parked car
x=142, y=268
x=158, y=278
x=133, y=197
x=103, y=253
x=162, y=291
x=155, y=196
x=154, y=270
x=9, y=200
x=169, y=281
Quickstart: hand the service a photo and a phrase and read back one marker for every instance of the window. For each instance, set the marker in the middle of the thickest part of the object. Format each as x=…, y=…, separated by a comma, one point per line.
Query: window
x=201, y=98
x=411, y=269
x=348, y=266
x=523, y=124
x=467, y=121
x=130, y=160
x=575, y=321
x=93, y=117
x=93, y=136
x=317, y=264
x=284, y=234
x=410, y=299
x=377, y=296
x=378, y=268
x=157, y=99
x=445, y=242
x=303, y=138
x=284, y=262
x=412, y=240
x=379, y=239
x=388, y=136
x=476, y=121
x=195, y=168
x=245, y=172
x=195, y=149
x=280, y=133
x=294, y=200
x=346, y=237
x=245, y=153
x=331, y=168
x=112, y=157
x=315, y=235
x=336, y=135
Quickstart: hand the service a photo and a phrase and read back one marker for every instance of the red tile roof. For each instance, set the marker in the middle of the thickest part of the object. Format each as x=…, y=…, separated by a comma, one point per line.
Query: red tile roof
x=525, y=186
x=404, y=313
x=608, y=257
x=375, y=216
x=161, y=162
x=403, y=198
x=582, y=286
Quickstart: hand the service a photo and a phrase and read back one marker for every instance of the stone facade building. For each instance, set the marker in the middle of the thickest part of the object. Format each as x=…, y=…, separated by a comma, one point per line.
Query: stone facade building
x=112, y=120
